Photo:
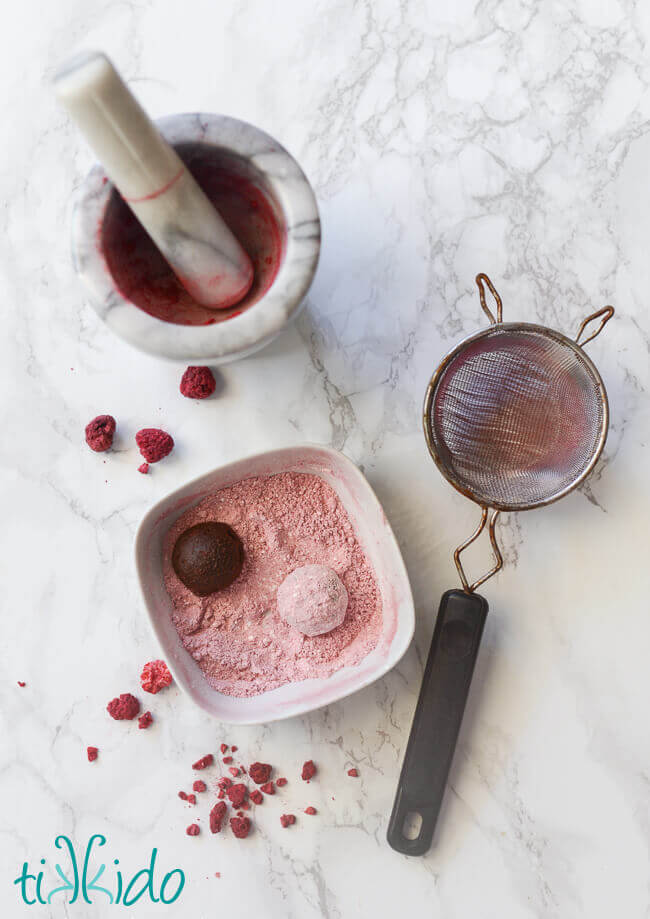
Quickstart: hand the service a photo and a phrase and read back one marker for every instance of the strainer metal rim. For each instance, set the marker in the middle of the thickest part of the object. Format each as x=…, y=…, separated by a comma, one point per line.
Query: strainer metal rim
x=437, y=376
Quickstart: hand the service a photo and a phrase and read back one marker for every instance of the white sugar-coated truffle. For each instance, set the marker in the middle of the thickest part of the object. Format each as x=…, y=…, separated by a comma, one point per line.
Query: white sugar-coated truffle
x=313, y=599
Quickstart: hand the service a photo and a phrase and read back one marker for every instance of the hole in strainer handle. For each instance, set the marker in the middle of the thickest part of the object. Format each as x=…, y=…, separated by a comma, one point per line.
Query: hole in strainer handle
x=437, y=720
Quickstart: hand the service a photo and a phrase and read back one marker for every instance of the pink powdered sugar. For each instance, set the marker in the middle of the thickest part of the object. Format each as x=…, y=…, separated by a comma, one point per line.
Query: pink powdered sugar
x=236, y=635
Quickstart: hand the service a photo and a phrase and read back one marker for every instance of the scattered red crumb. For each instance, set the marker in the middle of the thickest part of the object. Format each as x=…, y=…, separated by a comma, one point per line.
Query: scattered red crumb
x=124, y=707
x=281, y=782
x=237, y=794
x=92, y=753
x=260, y=772
x=227, y=760
x=191, y=799
x=193, y=829
x=240, y=826
x=154, y=444
x=240, y=813
x=310, y=810
x=21, y=684
x=234, y=748
x=233, y=770
x=268, y=789
x=287, y=820
x=256, y=796
x=99, y=433
x=205, y=761
x=199, y=785
x=217, y=814
x=217, y=874
x=223, y=747
x=221, y=794
x=182, y=795
x=246, y=806
x=243, y=769
x=145, y=720
x=143, y=468
x=308, y=770
x=155, y=676
x=224, y=782
x=353, y=773
x=198, y=383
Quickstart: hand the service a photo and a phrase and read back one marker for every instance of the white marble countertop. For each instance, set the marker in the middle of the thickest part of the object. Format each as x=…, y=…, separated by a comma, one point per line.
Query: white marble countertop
x=442, y=139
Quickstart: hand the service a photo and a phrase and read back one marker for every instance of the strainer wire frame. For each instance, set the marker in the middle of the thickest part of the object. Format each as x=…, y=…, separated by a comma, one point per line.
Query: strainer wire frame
x=605, y=314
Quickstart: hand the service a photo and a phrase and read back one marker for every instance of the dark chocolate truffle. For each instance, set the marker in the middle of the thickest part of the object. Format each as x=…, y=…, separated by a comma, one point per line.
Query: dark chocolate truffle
x=208, y=557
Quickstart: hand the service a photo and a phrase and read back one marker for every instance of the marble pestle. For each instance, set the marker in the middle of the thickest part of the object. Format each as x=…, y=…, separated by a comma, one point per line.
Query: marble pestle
x=205, y=256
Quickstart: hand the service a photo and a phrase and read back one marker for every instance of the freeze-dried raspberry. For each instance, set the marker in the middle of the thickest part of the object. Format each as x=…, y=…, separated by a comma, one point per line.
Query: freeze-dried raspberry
x=191, y=799
x=353, y=773
x=182, y=795
x=143, y=468
x=223, y=747
x=205, y=761
x=124, y=707
x=281, y=782
x=99, y=433
x=234, y=748
x=234, y=771
x=154, y=444
x=193, y=829
x=221, y=794
x=22, y=684
x=92, y=753
x=237, y=794
x=198, y=383
x=256, y=796
x=145, y=720
x=240, y=826
x=224, y=782
x=260, y=772
x=310, y=810
x=227, y=760
x=308, y=770
x=199, y=785
x=268, y=789
x=287, y=820
x=217, y=814
x=155, y=676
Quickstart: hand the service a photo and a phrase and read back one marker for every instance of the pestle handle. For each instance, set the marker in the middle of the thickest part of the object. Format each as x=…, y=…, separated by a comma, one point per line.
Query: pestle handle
x=200, y=248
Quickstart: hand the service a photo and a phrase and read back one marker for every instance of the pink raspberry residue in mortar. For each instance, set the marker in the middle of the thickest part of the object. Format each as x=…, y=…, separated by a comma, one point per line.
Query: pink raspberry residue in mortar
x=236, y=635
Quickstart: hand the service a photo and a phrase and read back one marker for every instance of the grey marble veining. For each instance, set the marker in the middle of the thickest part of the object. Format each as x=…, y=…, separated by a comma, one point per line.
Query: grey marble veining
x=441, y=139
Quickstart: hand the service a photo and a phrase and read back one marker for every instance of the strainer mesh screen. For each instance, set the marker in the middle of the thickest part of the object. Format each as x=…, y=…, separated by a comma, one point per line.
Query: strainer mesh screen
x=516, y=417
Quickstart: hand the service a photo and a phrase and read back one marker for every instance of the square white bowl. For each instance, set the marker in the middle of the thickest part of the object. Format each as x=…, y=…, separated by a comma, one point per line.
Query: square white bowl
x=376, y=538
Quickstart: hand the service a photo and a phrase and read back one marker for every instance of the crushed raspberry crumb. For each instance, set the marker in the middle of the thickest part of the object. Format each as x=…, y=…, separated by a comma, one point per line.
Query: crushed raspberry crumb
x=22, y=684
x=155, y=676
x=234, y=771
x=260, y=772
x=217, y=814
x=99, y=433
x=198, y=383
x=205, y=761
x=92, y=753
x=310, y=810
x=237, y=794
x=124, y=708
x=154, y=444
x=353, y=773
x=224, y=782
x=182, y=795
x=308, y=770
x=217, y=874
x=227, y=760
x=199, y=785
x=240, y=826
x=281, y=782
x=223, y=747
x=221, y=794
x=256, y=796
x=193, y=829
x=191, y=799
x=268, y=789
x=234, y=748
x=287, y=820
x=145, y=720
x=143, y=468
x=246, y=806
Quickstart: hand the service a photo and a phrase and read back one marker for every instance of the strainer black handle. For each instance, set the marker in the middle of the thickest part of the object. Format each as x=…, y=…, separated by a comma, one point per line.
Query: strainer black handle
x=437, y=720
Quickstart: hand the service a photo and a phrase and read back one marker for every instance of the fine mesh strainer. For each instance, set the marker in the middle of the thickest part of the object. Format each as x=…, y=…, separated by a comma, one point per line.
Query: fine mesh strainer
x=515, y=417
